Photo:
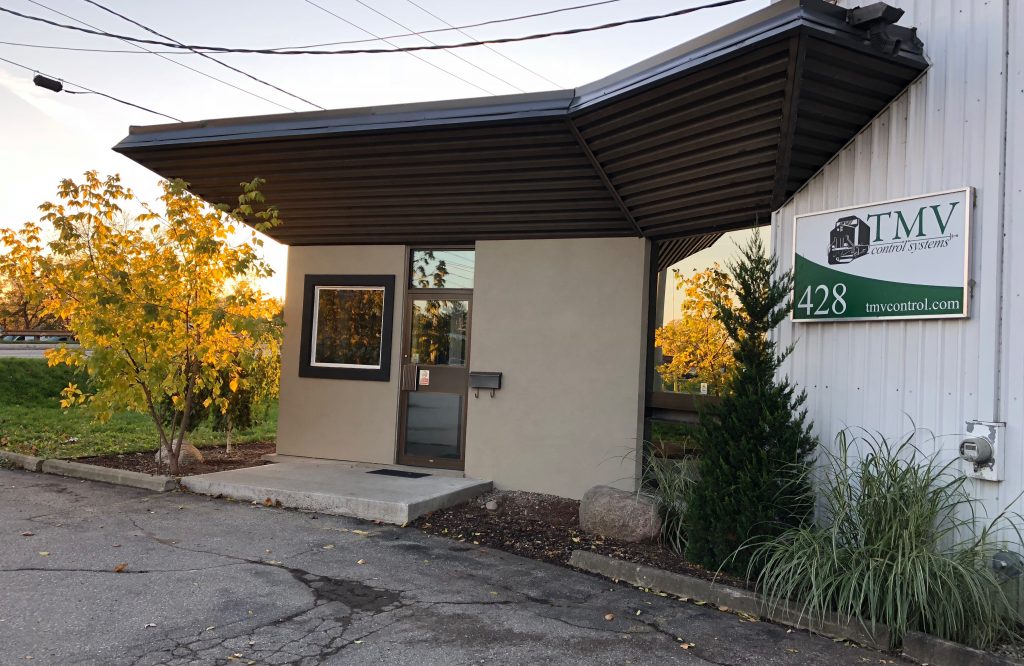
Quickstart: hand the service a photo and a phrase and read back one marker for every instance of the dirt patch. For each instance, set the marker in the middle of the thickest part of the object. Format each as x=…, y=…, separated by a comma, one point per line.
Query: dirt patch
x=216, y=460
x=546, y=527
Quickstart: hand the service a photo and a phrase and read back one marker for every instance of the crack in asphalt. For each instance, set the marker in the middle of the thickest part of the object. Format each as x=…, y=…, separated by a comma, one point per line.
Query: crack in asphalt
x=308, y=635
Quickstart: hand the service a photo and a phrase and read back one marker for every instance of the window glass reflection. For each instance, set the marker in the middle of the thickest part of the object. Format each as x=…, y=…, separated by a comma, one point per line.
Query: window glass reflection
x=442, y=269
x=432, y=426
x=439, y=331
x=347, y=327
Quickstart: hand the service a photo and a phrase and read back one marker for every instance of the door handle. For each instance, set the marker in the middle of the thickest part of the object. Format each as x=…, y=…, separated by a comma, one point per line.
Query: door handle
x=409, y=376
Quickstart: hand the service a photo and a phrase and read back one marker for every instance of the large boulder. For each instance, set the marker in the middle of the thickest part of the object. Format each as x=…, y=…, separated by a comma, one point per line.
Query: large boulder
x=621, y=515
x=188, y=455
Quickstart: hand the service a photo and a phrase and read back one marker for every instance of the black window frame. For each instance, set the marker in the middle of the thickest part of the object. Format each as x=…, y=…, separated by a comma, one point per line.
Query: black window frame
x=306, y=366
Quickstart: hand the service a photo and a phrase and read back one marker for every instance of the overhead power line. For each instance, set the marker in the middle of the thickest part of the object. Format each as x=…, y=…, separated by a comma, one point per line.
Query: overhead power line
x=350, y=41
x=207, y=56
x=170, y=60
x=387, y=41
x=404, y=49
x=454, y=55
x=90, y=90
x=87, y=50
x=510, y=19
x=486, y=46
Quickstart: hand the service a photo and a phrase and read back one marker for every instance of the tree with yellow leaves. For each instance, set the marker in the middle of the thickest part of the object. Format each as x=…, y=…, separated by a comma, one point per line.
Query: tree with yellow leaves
x=697, y=342
x=165, y=307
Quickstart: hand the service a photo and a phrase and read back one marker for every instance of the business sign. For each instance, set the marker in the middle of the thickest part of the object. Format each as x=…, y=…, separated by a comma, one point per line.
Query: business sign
x=901, y=259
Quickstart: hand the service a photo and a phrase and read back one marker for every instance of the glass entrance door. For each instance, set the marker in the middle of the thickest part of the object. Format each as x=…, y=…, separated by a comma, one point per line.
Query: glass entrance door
x=435, y=360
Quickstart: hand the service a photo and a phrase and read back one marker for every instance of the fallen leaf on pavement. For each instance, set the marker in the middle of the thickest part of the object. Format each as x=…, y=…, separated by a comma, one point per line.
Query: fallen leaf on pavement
x=210, y=628
x=609, y=617
x=687, y=646
x=361, y=532
x=44, y=553
x=150, y=625
x=28, y=534
x=121, y=568
x=329, y=546
x=360, y=561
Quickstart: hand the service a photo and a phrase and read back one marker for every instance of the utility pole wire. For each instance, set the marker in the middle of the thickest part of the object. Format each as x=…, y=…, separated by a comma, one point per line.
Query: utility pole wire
x=170, y=60
x=486, y=46
x=90, y=90
x=197, y=48
x=387, y=41
x=205, y=55
x=510, y=19
x=451, y=53
x=351, y=41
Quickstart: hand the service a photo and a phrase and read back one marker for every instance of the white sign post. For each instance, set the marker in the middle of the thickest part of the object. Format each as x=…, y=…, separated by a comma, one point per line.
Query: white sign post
x=901, y=259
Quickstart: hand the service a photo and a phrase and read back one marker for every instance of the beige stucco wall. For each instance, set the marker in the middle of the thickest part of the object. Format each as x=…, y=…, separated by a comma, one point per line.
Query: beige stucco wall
x=564, y=320
x=337, y=418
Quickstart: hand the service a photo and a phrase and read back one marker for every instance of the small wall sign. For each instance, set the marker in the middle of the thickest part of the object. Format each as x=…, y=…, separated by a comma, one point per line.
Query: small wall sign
x=424, y=379
x=900, y=259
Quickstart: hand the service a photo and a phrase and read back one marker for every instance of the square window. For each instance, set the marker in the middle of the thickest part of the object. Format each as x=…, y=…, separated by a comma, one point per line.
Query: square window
x=346, y=327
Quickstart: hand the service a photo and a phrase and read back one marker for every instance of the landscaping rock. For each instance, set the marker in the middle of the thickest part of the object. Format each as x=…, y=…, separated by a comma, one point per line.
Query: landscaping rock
x=187, y=456
x=621, y=515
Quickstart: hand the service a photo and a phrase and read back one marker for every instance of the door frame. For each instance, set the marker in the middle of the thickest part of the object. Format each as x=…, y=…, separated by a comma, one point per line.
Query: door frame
x=413, y=294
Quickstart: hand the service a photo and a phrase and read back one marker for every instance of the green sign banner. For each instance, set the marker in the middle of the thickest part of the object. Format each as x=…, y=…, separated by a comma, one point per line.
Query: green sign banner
x=901, y=259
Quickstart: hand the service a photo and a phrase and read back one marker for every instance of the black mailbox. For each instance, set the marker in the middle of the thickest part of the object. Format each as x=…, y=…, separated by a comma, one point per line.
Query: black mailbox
x=484, y=380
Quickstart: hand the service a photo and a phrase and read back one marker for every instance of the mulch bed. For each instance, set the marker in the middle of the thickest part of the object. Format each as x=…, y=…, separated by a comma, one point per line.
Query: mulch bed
x=546, y=527
x=216, y=460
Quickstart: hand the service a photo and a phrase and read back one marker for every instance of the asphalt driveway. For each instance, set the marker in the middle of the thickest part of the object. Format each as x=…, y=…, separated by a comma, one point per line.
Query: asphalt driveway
x=208, y=581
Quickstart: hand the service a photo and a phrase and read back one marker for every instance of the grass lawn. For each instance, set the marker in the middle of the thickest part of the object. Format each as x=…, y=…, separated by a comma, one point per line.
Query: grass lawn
x=32, y=422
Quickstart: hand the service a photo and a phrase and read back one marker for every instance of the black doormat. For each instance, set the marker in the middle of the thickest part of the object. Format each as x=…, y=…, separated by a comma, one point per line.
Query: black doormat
x=398, y=472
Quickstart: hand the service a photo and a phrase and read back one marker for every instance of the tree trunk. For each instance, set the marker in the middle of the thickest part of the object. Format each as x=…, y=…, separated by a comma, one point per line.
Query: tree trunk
x=230, y=429
x=172, y=458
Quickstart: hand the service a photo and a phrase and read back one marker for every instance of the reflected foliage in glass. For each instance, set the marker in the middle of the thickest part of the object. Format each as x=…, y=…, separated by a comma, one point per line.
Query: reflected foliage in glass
x=439, y=332
x=348, y=326
x=442, y=269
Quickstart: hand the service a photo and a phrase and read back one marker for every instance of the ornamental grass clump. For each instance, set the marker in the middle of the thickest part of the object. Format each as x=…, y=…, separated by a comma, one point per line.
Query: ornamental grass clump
x=671, y=481
x=899, y=542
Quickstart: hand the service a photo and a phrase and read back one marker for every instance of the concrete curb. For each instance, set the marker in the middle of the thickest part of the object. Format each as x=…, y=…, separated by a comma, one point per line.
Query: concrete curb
x=119, y=477
x=31, y=463
x=931, y=650
x=732, y=598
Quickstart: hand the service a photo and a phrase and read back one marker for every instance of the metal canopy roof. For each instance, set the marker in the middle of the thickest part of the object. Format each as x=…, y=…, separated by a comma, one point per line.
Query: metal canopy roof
x=710, y=136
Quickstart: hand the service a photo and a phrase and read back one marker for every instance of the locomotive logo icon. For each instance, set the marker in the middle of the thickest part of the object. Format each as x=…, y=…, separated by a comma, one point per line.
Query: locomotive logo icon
x=848, y=240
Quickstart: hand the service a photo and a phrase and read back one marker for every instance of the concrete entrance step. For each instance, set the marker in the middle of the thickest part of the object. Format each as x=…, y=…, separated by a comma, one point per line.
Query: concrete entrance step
x=340, y=488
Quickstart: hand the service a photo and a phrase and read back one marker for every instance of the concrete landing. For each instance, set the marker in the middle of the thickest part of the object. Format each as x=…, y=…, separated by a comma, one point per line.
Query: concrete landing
x=340, y=488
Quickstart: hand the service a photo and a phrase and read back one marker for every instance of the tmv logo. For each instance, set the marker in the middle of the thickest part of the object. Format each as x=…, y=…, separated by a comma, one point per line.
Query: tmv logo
x=851, y=236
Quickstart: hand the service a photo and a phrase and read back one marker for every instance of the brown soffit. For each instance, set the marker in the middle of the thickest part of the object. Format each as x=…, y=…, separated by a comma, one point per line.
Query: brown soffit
x=708, y=137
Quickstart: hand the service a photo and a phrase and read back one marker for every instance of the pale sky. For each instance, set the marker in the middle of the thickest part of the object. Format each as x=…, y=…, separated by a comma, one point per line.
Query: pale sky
x=46, y=136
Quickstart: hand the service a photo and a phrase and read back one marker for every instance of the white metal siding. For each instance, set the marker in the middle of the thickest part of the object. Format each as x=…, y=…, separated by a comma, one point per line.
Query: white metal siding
x=946, y=131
